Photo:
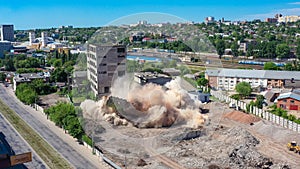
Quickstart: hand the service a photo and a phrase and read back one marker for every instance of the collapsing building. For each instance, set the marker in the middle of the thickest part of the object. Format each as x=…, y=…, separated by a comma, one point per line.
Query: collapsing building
x=104, y=64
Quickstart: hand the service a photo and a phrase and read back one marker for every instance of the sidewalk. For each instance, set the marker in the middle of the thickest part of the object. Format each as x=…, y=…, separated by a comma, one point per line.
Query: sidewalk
x=84, y=151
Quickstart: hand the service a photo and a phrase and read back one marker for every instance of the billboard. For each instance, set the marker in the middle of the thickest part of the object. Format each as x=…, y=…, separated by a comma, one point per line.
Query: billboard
x=20, y=158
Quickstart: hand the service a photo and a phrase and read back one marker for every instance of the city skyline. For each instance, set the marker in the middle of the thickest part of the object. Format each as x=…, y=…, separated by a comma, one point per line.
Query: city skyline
x=46, y=14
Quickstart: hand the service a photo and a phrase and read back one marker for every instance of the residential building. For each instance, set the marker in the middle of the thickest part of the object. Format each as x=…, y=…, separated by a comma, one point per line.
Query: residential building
x=7, y=32
x=28, y=77
x=289, y=101
x=44, y=39
x=31, y=38
x=104, y=64
x=209, y=20
x=243, y=46
x=5, y=46
x=228, y=78
x=149, y=77
x=271, y=20
x=287, y=19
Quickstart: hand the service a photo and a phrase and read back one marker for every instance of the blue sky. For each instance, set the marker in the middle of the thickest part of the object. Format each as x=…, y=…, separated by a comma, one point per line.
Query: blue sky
x=28, y=14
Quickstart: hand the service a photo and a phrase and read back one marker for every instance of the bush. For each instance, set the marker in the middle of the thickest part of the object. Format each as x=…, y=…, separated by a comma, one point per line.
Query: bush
x=87, y=139
x=236, y=97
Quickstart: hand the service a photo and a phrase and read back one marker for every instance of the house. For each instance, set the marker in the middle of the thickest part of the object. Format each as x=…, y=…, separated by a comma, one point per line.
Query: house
x=289, y=101
x=28, y=77
x=199, y=96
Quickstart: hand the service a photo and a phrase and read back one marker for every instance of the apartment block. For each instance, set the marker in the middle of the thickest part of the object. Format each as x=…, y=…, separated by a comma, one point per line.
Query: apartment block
x=228, y=78
x=7, y=32
x=104, y=65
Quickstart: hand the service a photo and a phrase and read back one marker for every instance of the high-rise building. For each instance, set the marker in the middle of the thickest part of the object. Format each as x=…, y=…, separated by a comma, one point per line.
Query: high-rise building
x=7, y=32
x=288, y=19
x=104, y=64
x=5, y=46
x=31, y=38
x=44, y=39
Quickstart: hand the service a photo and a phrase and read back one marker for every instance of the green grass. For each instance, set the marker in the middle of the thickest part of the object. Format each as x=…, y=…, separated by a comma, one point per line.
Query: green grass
x=50, y=156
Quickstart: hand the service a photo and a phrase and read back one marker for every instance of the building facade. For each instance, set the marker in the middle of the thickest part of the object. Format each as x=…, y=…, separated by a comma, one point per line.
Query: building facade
x=287, y=19
x=104, y=64
x=7, y=32
x=5, y=46
x=28, y=77
x=289, y=101
x=149, y=77
x=228, y=78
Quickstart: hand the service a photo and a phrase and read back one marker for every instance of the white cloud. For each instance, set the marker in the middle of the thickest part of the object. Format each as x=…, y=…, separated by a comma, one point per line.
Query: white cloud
x=284, y=12
x=294, y=3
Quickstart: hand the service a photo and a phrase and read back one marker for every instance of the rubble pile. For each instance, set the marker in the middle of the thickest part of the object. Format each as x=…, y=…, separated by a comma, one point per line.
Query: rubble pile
x=226, y=147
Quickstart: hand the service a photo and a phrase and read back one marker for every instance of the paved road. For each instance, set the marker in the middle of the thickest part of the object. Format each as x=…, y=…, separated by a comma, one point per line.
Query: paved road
x=18, y=144
x=67, y=151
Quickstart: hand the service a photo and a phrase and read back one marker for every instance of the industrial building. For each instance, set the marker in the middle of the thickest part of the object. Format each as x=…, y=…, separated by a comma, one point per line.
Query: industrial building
x=104, y=64
x=7, y=32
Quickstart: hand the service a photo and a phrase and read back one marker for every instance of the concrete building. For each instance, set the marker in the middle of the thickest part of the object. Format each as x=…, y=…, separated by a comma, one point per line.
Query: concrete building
x=209, y=20
x=271, y=20
x=149, y=77
x=44, y=39
x=289, y=101
x=287, y=19
x=104, y=64
x=5, y=46
x=228, y=78
x=28, y=77
x=7, y=32
x=31, y=38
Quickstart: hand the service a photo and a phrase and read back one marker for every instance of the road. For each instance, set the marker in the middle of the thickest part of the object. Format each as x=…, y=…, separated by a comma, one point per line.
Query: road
x=19, y=145
x=78, y=155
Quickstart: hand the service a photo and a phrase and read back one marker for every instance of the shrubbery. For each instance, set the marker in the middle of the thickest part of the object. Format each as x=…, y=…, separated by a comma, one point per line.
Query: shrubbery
x=64, y=115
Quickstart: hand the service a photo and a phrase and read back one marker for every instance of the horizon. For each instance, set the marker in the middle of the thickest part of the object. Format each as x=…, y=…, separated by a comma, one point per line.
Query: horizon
x=34, y=14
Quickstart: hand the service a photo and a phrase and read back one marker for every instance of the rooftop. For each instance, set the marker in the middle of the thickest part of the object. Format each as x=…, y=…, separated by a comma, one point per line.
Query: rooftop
x=289, y=95
x=261, y=74
x=29, y=76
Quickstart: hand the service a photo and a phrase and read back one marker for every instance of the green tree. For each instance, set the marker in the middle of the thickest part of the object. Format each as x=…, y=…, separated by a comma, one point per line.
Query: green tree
x=220, y=46
x=202, y=81
x=26, y=93
x=243, y=88
x=259, y=101
x=57, y=63
x=2, y=76
x=234, y=48
x=64, y=115
x=270, y=66
x=59, y=75
x=282, y=51
x=298, y=50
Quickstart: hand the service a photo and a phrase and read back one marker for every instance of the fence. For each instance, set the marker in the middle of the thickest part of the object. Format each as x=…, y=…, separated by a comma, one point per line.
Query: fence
x=96, y=151
x=259, y=112
x=101, y=155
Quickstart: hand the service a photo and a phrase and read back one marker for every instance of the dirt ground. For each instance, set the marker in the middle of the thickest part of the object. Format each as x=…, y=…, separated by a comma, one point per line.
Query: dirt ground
x=228, y=139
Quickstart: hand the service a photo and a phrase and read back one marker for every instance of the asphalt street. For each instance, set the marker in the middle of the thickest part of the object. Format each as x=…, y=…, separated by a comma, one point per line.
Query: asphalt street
x=19, y=145
x=75, y=158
